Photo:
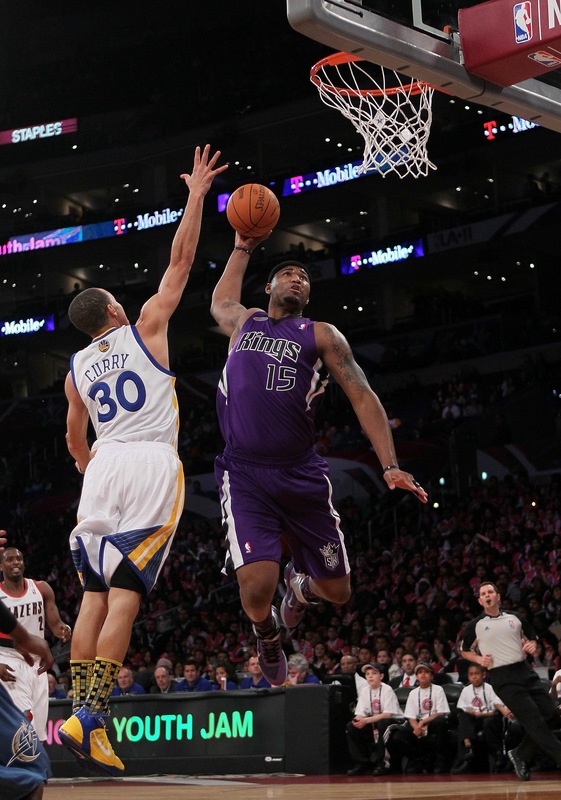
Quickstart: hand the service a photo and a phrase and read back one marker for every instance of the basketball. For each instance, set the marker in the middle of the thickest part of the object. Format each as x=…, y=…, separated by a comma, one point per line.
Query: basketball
x=253, y=210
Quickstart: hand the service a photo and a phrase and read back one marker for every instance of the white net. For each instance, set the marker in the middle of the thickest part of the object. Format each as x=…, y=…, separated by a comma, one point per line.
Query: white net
x=392, y=116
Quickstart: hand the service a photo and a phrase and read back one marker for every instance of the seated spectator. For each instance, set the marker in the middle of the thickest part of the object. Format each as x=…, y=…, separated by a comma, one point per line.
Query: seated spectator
x=407, y=677
x=445, y=660
x=394, y=670
x=479, y=710
x=192, y=678
x=306, y=644
x=126, y=684
x=56, y=690
x=150, y=637
x=542, y=659
x=256, y=680
x=425, y=713
x=377, y=707
x=451, y=410
x=298, y=671
x=317, y=663
x=334, y=643
x=427, y=656
x=364, y=656
x=555, y=688
x=144, y=670
x=165, y=682
x=384, y=658
x=331, y=662
x=223, y=678
x=348, y=665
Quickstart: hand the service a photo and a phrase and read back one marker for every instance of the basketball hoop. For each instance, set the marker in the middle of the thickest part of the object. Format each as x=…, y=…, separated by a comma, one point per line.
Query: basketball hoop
x=394, y=120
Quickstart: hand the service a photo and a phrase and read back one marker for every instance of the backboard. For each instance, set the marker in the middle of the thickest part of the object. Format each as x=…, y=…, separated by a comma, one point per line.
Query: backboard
x=419, y=38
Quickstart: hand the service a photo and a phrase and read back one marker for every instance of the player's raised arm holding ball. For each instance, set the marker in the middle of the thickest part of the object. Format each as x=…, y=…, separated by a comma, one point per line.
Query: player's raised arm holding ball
x=271, y=479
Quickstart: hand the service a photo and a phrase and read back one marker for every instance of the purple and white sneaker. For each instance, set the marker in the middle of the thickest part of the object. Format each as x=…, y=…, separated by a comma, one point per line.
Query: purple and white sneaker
x=294, y=603
x=272, y=659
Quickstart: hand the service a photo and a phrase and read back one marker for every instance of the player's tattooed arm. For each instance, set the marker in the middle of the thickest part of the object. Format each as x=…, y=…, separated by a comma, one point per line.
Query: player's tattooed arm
x=337, y=356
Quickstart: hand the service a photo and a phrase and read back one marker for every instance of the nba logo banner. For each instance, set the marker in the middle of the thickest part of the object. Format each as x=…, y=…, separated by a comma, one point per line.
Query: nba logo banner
x=546, y=59
x=522, y=22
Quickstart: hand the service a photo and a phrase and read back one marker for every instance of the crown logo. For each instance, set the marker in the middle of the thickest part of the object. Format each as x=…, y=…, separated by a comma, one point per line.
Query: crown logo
x=330, y=553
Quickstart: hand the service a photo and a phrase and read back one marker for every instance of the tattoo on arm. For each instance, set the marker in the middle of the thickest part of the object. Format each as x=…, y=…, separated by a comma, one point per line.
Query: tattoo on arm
x=348, y=371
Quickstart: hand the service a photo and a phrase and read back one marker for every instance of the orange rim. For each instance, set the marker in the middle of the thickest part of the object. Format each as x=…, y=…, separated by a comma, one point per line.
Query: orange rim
x=413, y=88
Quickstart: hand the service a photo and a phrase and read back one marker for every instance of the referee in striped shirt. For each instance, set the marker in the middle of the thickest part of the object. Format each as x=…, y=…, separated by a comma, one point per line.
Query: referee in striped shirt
x=501, y=641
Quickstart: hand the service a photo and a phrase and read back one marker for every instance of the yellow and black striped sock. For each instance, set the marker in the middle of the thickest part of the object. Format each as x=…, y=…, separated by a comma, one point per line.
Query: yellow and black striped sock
x=81, y=673
x=104, y=678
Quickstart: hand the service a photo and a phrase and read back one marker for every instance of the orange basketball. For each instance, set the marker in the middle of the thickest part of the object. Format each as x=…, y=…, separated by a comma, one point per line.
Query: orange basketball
x=253, y=210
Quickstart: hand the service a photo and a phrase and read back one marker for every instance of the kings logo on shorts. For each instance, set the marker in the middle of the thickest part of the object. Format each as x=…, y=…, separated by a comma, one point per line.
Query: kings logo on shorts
x=330, y=552
x=523, y=29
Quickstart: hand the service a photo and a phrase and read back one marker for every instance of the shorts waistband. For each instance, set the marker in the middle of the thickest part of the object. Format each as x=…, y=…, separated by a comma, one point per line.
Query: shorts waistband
x=107, y=446
x=268, y=462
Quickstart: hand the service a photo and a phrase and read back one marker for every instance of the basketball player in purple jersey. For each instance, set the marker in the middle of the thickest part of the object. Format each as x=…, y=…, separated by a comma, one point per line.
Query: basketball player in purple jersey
x=272, y=482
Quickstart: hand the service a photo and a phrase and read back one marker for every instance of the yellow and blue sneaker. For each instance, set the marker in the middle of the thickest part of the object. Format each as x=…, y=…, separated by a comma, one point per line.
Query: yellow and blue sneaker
x=85, y=735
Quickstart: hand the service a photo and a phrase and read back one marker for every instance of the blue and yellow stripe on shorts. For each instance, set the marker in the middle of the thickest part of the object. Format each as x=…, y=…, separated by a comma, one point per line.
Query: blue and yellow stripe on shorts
x=145, y=548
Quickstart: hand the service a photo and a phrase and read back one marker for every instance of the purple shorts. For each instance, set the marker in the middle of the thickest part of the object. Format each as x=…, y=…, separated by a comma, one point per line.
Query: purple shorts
x=261, y=504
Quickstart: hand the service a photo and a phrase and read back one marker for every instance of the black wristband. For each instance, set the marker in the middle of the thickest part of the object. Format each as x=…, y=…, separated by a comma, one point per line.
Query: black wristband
x=390, y=466
x=244, y=249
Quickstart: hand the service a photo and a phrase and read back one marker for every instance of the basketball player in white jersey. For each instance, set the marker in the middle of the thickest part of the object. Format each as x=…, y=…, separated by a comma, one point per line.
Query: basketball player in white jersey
x=33, y=604
x=24, y=764
x=133, y=491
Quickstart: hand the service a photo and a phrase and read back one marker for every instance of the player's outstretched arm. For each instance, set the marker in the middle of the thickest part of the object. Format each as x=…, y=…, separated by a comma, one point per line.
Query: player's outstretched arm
x=226, y=307
x=157, y=311
x=337, y=356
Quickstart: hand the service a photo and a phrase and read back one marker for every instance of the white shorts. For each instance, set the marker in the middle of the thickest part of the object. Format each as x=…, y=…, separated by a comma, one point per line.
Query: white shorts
x=29, y=691
x=131, y=503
